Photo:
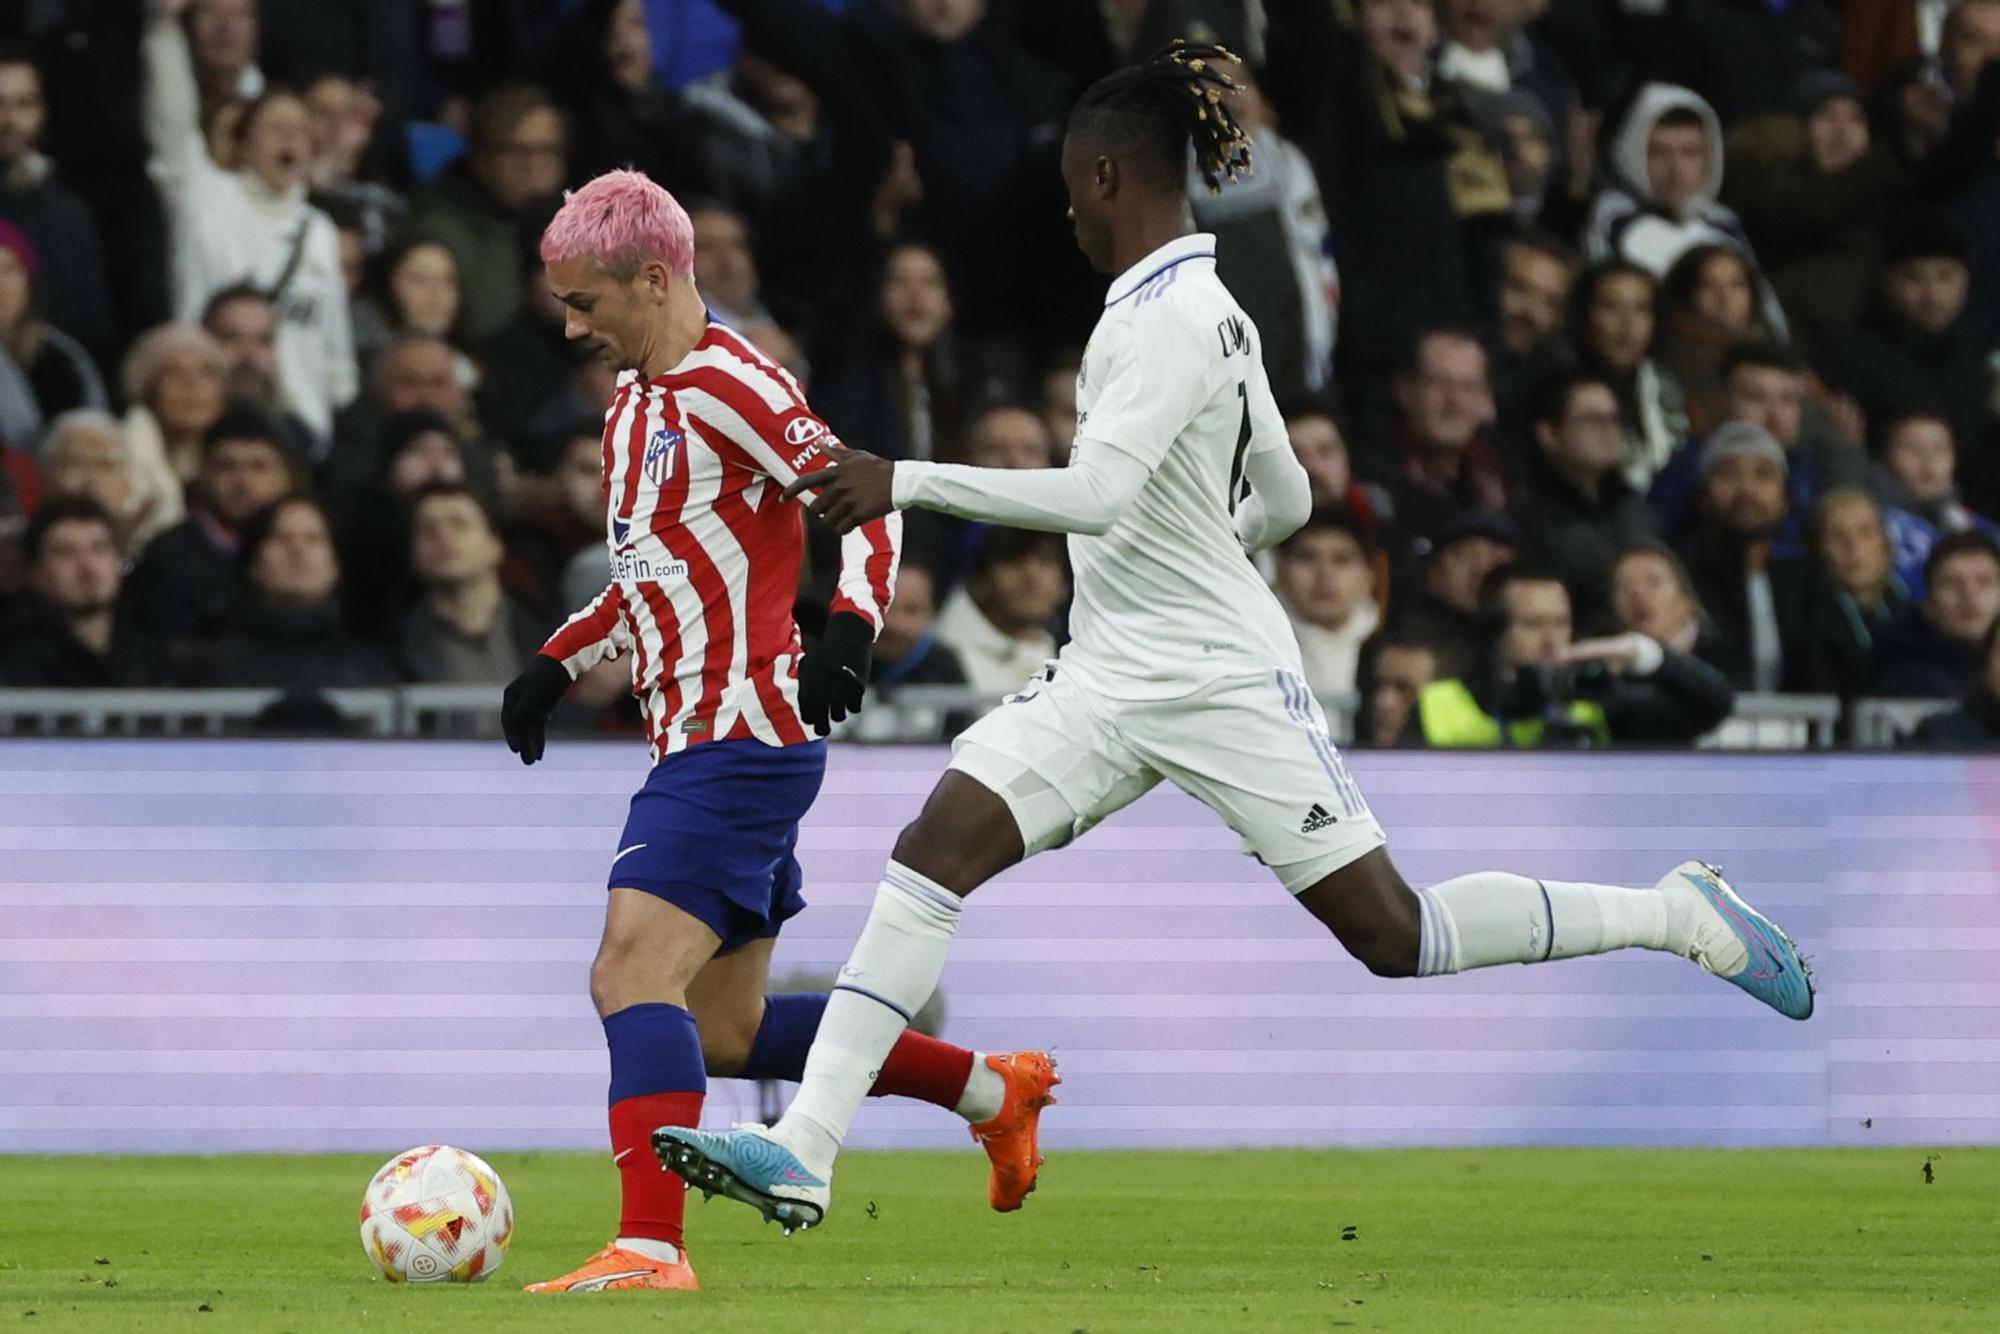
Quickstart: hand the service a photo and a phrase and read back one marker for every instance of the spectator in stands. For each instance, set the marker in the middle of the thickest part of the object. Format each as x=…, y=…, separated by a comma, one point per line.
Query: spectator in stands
x=1766, y=385
x=1708, y=304
x=1915, y=347
x=1323, y=578
x=1322, y=451
x=253, y=224
x=59, y=373
x=529, y=380
x=998, y=623
x=1009, y=435
x=1059, y=400
x=1445, y=460
x=222, y=38
x=1945, y=115
x=1919, y=462
x=187, y=578
x=68, y=632
x=1445, y=611
x=1934, y=650
x=1536, y=270
x=419, y=450
x=542, y=543
x=416, y=372
x=243, y=320
x=85, y=455
x=626, y=115
x=489, y=209
x=1666, y=172
x=463, y=627
x=1975, y=723
x=1812, y=189
x=1865, y=598
x=1757, y=594
x=173, y=381
x=1611, y=327
x=1393, y=671
x=725, y=268
x=286, y=629
x=1536, y=686
x=1652, y=593
x=1413, y=186
x=900, y=389
x=60, y=228
x=908, y=651
x=1577, y=511
x=1272, y=247
x=413, y=287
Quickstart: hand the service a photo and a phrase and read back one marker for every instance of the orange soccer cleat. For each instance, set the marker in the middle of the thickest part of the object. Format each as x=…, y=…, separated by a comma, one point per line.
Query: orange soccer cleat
x=614, y=1268
x=1010, y=1137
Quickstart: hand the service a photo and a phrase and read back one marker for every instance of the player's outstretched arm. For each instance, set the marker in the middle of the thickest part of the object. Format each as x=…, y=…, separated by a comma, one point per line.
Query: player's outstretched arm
x=1086, y=497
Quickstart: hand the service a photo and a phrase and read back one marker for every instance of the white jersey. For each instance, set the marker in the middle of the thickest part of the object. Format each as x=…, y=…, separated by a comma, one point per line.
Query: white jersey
x=1173, y=375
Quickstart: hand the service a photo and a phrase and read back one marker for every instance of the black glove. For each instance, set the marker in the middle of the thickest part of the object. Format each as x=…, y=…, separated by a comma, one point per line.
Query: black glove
x=834, y=672
x=531, y=697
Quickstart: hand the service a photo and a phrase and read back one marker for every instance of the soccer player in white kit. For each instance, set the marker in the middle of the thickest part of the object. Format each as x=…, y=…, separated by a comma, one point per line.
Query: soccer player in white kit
x=1182, y=665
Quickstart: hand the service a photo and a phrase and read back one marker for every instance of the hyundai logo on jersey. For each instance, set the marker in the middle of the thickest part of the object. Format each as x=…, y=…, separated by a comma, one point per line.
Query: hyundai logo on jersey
x=660, y=454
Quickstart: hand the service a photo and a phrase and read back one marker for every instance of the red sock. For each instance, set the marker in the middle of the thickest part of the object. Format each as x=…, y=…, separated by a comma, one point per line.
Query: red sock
x=926, y=1069
x=653, y=1199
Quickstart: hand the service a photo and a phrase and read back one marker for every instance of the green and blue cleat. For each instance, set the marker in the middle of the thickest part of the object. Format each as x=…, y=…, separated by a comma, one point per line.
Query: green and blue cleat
x=748, y=1165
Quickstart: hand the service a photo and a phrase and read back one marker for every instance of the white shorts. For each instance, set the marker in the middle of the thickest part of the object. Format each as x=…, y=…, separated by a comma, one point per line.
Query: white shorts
x=1252, y=747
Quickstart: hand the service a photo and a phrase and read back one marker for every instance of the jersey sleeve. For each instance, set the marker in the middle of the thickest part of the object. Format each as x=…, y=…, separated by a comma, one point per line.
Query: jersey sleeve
x=767, y=418
x=1154, y=380
x=592, y=635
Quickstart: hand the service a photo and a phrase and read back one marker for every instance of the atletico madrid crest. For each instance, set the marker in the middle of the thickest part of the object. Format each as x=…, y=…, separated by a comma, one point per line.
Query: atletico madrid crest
x=660, y=451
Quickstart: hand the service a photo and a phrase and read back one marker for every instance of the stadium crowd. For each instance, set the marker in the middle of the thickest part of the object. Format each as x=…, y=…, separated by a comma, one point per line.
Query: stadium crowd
x=1640, y=352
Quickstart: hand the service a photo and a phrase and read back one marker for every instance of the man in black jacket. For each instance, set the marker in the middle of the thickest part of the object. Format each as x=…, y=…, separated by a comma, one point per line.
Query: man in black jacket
x=67, y=631
x=1916, y=346
x=1577, y=511
x=1757, y=590
x=1975, y=723
x=1934, y=649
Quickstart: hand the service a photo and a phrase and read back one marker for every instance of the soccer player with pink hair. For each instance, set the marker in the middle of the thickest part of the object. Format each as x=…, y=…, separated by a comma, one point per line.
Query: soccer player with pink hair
x=702, y=439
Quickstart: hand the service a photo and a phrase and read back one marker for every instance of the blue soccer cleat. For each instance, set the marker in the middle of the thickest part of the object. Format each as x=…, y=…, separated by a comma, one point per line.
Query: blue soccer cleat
x=749, y=1165
x=1738, y=944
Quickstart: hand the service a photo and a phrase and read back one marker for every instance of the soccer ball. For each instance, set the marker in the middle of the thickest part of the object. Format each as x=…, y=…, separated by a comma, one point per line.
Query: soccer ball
x=436, y=1215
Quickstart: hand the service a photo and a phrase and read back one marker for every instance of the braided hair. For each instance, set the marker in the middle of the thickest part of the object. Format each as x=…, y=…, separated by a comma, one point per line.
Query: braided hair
x=1153, y=110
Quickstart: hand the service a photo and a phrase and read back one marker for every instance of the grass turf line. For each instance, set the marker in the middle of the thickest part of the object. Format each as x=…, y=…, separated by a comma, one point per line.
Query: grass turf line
x=1493, y=1240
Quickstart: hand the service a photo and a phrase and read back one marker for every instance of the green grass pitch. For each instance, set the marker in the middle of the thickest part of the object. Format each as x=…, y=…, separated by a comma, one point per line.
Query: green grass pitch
x=1527, y=1240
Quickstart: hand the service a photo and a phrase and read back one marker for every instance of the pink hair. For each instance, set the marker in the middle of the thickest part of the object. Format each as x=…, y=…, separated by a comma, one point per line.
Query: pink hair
x=622, y=219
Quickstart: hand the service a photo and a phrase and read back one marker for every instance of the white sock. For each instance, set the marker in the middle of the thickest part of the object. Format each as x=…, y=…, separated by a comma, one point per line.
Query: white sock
x=663, y=1251
x=984, y=1092
x=1489, y=917
x=892, y=971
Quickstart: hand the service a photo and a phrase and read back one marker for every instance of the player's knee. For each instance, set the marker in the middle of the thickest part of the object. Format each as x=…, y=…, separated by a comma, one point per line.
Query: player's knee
x=617, y=973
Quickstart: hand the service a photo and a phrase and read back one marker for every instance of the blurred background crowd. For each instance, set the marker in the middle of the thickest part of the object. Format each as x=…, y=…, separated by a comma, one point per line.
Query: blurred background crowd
x=1642, y=353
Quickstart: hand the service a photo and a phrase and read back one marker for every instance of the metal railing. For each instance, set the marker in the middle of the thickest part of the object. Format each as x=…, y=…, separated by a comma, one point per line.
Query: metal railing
x=905, y=714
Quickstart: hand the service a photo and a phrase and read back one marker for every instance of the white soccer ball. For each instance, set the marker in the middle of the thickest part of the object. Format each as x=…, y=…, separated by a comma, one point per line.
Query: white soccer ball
x=436, y=1215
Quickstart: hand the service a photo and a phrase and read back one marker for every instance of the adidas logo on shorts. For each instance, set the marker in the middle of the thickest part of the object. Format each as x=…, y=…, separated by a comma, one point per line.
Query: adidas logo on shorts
x=1318, y=818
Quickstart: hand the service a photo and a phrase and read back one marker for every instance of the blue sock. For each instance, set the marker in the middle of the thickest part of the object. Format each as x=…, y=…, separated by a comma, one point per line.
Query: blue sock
x=657, y=1078
x=786, y=1035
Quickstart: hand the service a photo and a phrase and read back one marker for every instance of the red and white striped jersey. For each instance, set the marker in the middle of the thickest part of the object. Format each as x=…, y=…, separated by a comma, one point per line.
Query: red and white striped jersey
x=705, y=550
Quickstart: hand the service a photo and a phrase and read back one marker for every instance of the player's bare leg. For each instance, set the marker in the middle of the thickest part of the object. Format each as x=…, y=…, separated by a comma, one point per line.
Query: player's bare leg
x=964, y=836
x=649, y=957
x=1492, y=917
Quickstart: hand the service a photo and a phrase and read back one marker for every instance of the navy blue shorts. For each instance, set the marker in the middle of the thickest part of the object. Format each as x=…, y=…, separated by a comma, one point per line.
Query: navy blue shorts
x=713, y=832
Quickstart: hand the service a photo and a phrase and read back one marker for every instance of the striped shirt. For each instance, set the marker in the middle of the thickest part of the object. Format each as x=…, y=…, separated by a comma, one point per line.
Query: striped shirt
x=705, y=551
